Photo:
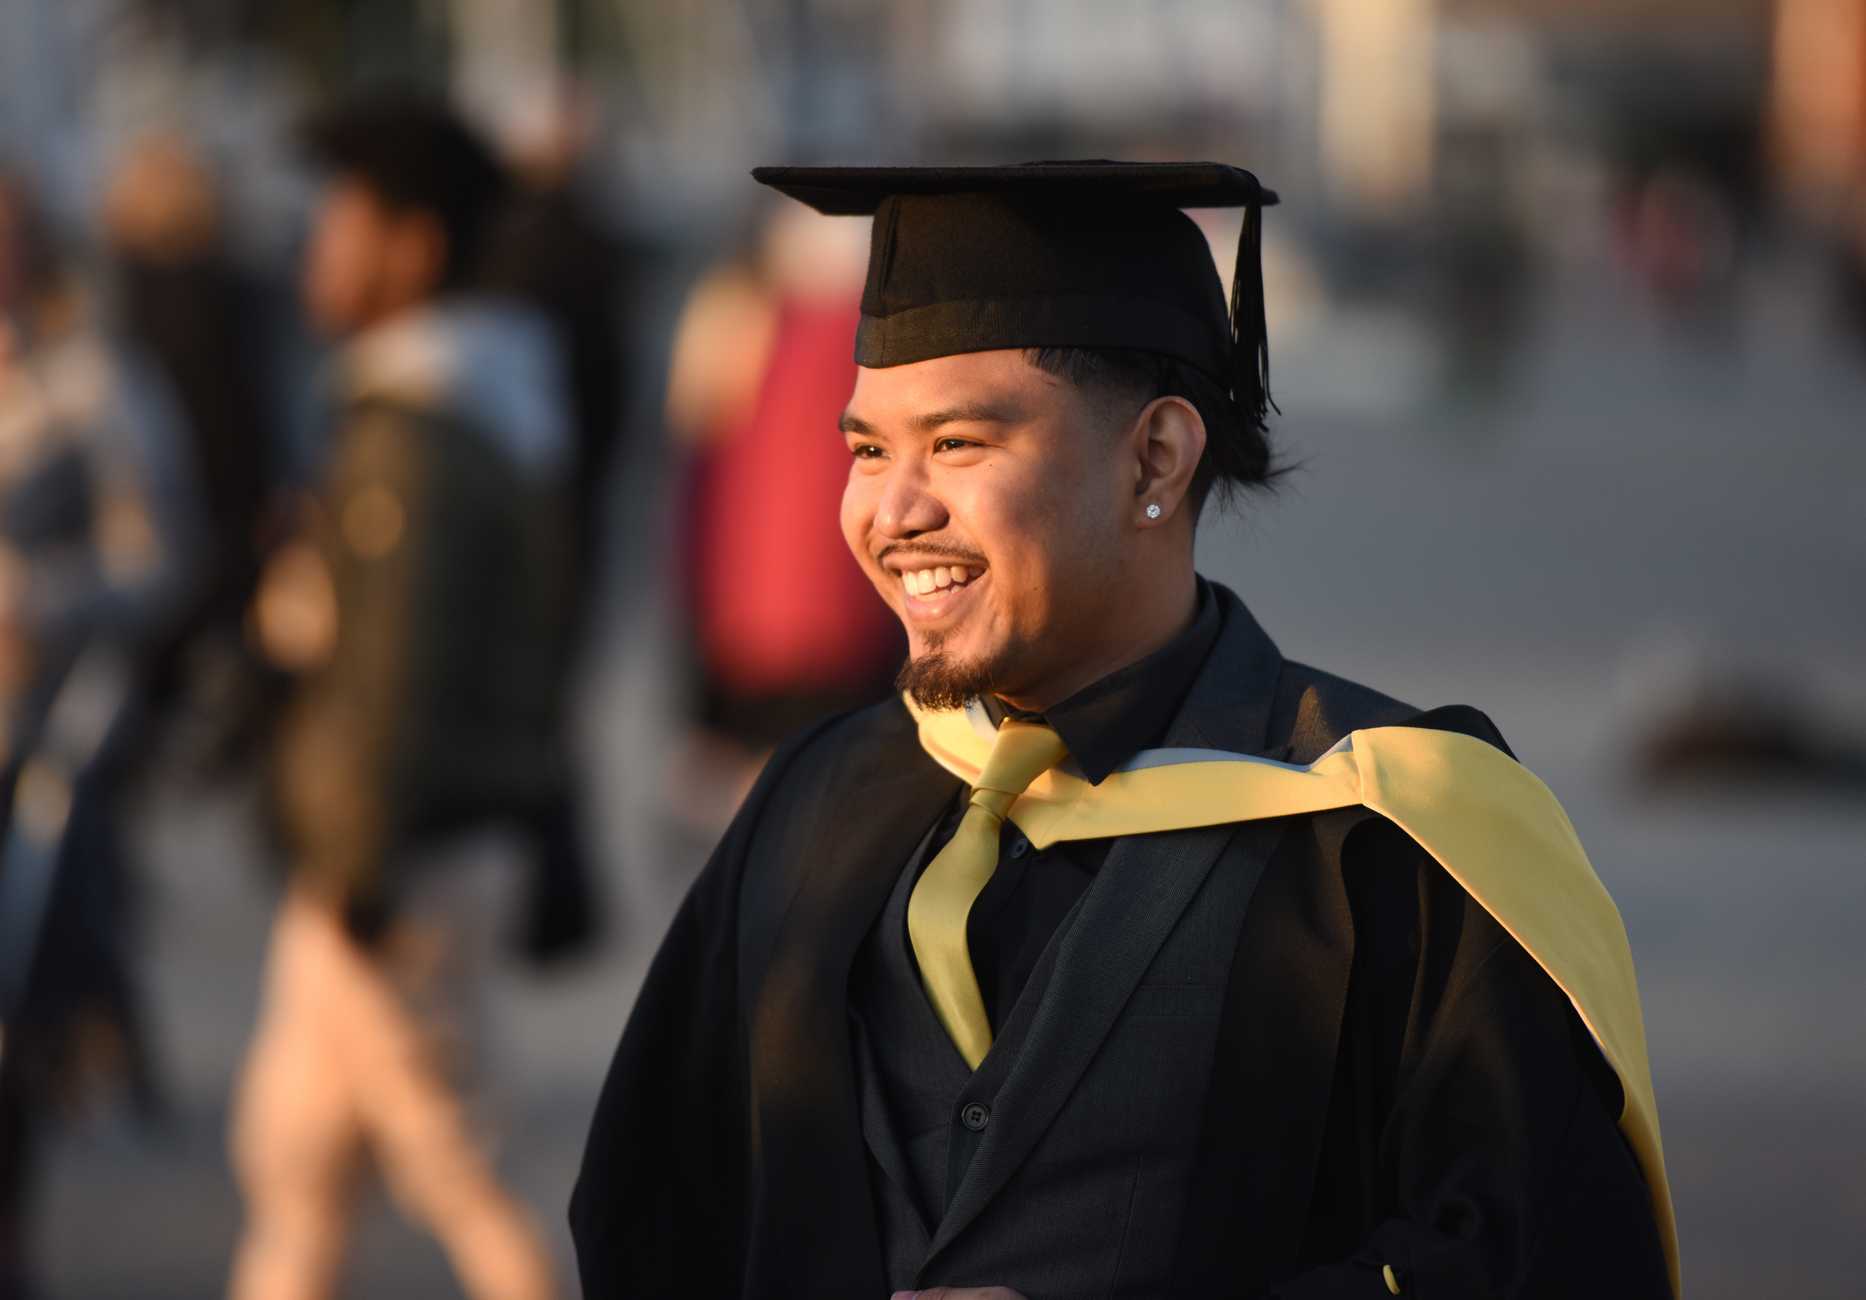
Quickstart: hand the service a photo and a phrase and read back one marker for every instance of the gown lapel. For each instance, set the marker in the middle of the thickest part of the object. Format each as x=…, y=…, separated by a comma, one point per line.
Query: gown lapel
x=878, y=1129
x=813, y=1227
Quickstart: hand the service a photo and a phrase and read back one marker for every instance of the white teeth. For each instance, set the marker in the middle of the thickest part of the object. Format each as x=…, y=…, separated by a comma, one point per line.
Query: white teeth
x=924, y=582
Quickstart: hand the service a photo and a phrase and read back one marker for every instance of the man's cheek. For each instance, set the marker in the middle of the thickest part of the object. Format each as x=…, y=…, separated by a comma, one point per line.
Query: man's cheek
x=856, y=517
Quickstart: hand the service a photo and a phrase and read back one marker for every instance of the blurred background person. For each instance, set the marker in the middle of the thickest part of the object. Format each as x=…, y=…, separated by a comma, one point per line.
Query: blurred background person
x=426, y=610
x=784, y=627
x=101, y=553
x=206, y=324
x=552, y=249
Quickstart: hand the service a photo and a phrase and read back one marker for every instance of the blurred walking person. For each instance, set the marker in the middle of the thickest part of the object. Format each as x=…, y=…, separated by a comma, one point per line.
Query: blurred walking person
x=426, y=609
x=101, y=545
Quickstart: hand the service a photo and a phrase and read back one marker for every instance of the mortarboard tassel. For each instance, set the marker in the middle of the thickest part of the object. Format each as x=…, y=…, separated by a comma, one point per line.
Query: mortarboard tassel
x=1250, y=335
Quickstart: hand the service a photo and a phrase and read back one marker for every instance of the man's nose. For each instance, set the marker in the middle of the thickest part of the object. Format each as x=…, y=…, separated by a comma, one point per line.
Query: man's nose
x=908, y=507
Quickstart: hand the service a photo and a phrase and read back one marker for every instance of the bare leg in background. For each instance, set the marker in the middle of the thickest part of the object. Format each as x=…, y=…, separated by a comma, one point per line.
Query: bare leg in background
x=366, y=1051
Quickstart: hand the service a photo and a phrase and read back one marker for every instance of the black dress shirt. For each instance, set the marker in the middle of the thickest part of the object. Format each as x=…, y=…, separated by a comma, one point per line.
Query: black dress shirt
x=1104, y=725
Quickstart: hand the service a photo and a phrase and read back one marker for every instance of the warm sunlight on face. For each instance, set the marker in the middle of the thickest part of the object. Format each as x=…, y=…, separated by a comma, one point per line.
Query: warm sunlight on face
x=365, y=261
x=343, y=259
x=987, y=504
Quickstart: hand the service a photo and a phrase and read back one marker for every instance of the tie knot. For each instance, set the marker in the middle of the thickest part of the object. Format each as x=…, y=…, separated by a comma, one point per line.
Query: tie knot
x=1022, y=752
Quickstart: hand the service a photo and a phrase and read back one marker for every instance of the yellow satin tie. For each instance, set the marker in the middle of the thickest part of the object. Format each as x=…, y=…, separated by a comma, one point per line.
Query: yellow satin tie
x=1495, y=828
x=943, y=898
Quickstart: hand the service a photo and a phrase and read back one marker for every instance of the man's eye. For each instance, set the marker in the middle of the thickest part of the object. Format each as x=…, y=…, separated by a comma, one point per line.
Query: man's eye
x=952, y=444
x=865, y=451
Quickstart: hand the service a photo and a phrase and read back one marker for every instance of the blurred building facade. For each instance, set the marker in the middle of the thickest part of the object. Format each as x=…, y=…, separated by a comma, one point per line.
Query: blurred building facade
x=1366, y=95
x=1426, y=149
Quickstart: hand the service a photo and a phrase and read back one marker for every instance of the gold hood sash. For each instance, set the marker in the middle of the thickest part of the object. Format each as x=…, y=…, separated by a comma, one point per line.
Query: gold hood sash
x=1484, y=817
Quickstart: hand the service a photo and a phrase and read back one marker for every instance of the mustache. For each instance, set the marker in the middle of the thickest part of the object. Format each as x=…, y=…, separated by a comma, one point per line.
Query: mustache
x=934, y=551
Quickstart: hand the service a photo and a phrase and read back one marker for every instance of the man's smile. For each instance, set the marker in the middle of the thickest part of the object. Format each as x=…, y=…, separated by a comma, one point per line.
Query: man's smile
x=936, y=593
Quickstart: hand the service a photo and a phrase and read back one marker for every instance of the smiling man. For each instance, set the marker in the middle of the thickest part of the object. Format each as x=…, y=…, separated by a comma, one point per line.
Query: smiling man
x=979, y=500
x=1121, y=956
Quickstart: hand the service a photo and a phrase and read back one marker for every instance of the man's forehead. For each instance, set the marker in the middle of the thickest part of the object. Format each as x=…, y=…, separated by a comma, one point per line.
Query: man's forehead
x=999, y=386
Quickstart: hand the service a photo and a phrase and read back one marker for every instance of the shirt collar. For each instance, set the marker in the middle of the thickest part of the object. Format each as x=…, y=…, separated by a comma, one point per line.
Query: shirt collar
x=1111, y=720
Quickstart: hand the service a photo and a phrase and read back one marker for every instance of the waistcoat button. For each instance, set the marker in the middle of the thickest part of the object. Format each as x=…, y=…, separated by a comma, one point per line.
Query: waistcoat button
x=975, y=1116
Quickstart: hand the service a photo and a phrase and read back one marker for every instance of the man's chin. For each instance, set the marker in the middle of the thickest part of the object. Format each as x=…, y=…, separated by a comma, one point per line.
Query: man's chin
x=941, y=679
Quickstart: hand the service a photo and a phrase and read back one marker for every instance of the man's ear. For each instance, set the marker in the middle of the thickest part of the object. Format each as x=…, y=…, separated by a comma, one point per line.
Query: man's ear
x=1167, y=441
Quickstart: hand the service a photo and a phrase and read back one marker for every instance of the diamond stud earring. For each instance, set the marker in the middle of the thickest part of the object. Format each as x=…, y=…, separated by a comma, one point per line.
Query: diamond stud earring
x=1153, y=511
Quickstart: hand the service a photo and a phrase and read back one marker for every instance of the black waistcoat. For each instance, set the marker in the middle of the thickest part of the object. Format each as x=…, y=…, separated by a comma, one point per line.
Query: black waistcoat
x=923, y=1111
x=1096, y=1208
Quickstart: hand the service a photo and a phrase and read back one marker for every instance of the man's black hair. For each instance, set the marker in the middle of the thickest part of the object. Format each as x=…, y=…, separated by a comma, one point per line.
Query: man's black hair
x=1237, y=448
x=416, y=155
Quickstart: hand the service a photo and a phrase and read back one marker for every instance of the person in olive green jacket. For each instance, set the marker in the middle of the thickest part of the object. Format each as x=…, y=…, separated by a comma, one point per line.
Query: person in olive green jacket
x=426, y=607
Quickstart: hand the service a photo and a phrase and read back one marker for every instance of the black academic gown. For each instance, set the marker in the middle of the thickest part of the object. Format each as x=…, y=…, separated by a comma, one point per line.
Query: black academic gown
x=1395, y=1081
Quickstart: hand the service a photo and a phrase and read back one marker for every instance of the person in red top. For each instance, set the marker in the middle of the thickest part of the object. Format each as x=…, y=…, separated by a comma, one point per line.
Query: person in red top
x=785, y=627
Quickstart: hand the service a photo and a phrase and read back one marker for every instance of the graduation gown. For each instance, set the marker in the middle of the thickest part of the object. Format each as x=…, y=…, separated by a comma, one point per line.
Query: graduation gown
x=1391, y=1080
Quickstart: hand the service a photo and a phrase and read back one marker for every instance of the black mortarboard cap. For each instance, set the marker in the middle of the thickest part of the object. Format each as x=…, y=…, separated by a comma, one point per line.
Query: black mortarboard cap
x=1054, y=254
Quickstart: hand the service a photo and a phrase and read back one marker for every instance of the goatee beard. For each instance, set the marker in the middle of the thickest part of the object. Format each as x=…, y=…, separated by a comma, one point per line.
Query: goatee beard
x=937, y=681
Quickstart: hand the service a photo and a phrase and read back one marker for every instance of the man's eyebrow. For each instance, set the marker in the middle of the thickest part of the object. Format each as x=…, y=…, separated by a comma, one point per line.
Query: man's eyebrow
x=964, y=413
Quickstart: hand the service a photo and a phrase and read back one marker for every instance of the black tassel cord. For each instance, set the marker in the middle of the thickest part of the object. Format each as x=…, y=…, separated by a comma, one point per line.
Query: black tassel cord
x=1250, y=335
